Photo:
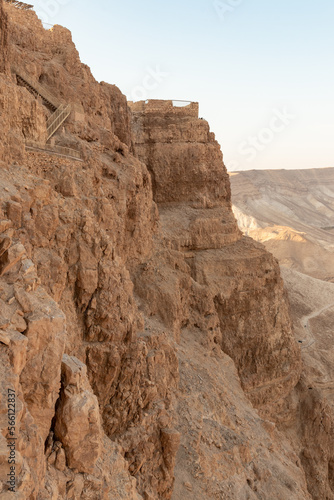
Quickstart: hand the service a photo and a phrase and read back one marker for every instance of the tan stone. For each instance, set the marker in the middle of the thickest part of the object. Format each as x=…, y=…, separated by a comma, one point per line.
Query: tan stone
x=78, y=424
x=169, y=306
x=11, y=257
x=14, y=213
x=4, y=225
x=40, y=378
x=18, y=347
x=170, y=440
x=4, y=322
x=24, y=299
x=75, y=487
x=5, y=243
x=18, y=322
x=61, y=460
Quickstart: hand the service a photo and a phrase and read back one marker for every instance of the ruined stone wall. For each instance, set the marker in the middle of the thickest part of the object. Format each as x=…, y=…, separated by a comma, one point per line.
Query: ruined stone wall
x=165, y=107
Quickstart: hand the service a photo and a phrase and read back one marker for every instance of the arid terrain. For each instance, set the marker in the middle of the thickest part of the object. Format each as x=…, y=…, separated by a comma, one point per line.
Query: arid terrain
x=146, y=344
x=292, y=213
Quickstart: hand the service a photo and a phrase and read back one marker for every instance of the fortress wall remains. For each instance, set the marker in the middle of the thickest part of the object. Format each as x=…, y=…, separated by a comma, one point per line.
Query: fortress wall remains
x=27, y=18
x=53, y=36
x=159, y=106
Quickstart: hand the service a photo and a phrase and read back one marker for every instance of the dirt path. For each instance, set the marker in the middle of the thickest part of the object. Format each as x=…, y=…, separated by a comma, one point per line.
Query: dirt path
x=305, y=321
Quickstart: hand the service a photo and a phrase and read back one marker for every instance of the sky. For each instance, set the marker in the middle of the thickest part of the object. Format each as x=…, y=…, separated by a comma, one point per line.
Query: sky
x=262, y=70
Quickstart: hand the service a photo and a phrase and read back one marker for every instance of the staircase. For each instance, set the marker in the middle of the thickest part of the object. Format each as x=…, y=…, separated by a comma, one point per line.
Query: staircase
x=61, y=111
x=37, y=89
x=57, y=119
x=20, y=5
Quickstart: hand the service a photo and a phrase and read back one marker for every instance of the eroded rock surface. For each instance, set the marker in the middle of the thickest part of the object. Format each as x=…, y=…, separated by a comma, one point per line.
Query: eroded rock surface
x=148, y=342
x=78, y=423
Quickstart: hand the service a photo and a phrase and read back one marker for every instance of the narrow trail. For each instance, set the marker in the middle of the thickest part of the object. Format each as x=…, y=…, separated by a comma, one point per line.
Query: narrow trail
x=326, y=386
x=305, y=321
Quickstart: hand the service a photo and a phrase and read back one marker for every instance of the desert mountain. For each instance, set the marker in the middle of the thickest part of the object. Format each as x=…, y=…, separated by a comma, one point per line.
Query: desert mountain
x=292, y=213
x=146, y=343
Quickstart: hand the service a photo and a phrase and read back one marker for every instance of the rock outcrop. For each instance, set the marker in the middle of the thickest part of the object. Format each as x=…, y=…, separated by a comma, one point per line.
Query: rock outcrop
x=3, y=39
x=148, y=342
x=219, y=275
x=77, y=420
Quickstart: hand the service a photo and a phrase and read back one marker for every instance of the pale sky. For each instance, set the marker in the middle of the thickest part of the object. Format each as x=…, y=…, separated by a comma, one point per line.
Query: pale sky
x=262, y=70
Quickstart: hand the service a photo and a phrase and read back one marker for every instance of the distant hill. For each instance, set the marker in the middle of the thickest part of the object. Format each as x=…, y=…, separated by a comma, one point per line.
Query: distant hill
x=292, y=213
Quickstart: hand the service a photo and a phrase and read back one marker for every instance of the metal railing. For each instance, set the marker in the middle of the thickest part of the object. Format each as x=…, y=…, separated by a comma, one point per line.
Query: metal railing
x=57, y=119
x=20, y=5
x=59, y=150
x=37, y=87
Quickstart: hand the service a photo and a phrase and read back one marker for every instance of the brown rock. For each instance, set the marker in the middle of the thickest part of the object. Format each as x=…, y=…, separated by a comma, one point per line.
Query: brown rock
x=60, y=463
x=212, y=301
x=52, y=458
x=14, y=213
x=18, y=322
x=11, y=257
x=4, y=322
x=5, y=243
x=170, y=441
x=4, y=225
x=40, y=378
x=24, y=299
x=78, y=424
x=75, y=487
x=3, y=39
x=18, y=350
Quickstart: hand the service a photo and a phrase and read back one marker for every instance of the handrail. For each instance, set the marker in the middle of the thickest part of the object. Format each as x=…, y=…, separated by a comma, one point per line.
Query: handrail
x=60, y=150
x=55, y=115
x=55, y=122
x=45, y=94
x=20, y=5
x=181, y=100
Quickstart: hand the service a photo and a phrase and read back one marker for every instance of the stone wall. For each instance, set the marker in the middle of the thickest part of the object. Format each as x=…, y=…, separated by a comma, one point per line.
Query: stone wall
x=165, y=107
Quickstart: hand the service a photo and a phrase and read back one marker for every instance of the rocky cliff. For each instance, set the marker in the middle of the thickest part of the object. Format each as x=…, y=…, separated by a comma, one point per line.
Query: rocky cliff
x=148, y=342
x=291, y=211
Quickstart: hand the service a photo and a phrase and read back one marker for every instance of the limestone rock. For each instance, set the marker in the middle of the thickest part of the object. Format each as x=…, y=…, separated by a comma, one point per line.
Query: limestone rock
x=14, y=213
x=40, y=378
x=5, y=243
x=78, y=424
x=170, y=440
x=232, y=270
x=11, y=257
x=3, y=39
x=60, y=463
x=17, y=344
x=134, y=266
x=4, y=225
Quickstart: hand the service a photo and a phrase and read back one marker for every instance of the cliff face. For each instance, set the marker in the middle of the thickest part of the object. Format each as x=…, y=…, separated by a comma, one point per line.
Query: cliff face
x=134, y=315
x=192, y=190
x=291, y=212
x=3, y=38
